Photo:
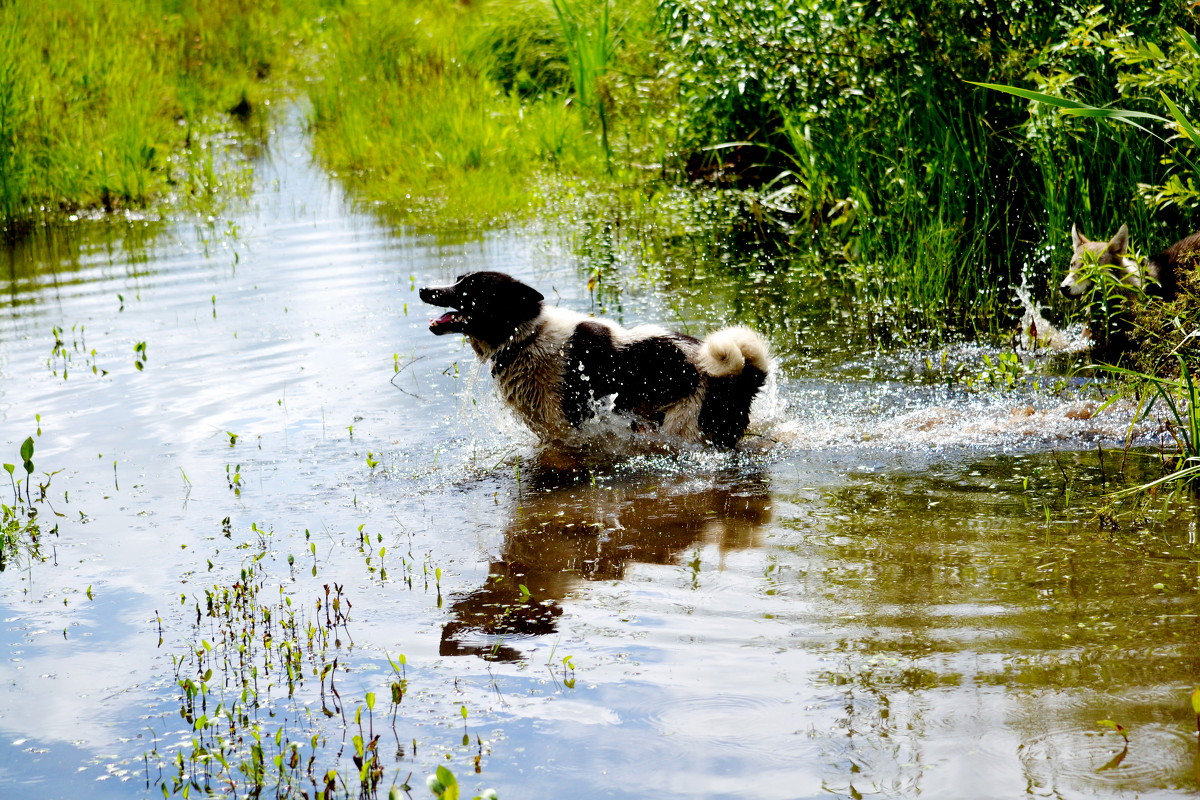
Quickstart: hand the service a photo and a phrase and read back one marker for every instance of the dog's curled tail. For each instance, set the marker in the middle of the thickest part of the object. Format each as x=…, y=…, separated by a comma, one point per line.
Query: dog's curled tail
x=727, y=352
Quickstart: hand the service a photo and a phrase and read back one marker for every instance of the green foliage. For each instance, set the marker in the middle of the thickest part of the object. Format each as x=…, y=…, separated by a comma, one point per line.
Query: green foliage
x=1180, y=398
x=444, y=786
x=117, y=105
x=453, y=113
x=419, y=109
x=861, y=112
x=590, y=45
x=1110, y=307
x=844, y=132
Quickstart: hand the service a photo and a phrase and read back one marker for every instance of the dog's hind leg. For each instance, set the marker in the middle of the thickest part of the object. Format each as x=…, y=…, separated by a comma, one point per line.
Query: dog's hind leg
x=725, y=412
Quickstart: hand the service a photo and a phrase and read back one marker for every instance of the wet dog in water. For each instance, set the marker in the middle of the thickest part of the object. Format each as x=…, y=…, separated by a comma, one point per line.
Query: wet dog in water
x=557, y=368
x=1158, y=275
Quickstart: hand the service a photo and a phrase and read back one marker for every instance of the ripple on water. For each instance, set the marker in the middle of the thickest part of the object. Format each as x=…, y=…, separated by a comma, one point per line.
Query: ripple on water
x=734, y=721
x=1073, y=758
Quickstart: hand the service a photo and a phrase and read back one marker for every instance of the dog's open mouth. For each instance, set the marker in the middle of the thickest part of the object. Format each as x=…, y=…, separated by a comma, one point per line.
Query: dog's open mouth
x=450, y=322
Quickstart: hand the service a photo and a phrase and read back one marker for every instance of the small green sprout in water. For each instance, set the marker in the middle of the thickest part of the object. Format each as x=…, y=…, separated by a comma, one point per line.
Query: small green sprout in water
x=139, y=356
x=1116, y=726
x=234, y=478
x=233, y=437
x=372, y=462
x=568, y=672
x=444, y=786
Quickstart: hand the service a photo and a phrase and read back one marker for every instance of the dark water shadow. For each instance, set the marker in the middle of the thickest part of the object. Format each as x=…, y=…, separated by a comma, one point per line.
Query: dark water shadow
x=578, y=518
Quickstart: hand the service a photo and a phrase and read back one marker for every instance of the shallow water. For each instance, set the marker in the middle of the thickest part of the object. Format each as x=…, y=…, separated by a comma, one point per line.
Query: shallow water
x=898, y=587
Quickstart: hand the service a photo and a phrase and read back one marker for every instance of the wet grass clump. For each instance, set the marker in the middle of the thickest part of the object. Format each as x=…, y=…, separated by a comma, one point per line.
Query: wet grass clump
x=1165, y=333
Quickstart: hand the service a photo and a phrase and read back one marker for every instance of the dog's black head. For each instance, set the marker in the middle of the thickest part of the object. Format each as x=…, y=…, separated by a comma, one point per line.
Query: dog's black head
x=488, y=306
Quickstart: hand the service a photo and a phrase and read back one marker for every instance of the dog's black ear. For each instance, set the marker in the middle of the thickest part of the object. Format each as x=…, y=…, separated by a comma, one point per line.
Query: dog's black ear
x=527, y=294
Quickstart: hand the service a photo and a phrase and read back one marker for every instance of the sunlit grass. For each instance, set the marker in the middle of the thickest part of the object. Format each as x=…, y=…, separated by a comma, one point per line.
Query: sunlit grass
x=98, y=101
x=449, y=113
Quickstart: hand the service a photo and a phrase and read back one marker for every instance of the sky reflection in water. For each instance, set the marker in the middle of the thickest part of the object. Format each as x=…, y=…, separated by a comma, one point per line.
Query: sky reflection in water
x=887, y=593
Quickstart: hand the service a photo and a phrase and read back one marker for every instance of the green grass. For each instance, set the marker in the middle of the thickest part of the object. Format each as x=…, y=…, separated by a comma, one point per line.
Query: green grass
x=452, y=113
x=843, y=136
x=115, y=105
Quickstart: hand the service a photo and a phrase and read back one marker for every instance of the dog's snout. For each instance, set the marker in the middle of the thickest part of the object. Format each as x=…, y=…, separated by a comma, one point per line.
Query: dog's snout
x=433, y=295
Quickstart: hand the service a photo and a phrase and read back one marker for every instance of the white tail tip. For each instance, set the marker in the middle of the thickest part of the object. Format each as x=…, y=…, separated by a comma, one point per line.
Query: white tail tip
x=727, y=351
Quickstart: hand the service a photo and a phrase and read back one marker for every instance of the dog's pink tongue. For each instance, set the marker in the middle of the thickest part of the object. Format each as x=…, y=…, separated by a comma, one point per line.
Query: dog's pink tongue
x=442, y=320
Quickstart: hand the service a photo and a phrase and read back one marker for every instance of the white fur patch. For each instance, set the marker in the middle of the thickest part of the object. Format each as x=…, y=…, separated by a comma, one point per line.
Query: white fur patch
x=727, y=351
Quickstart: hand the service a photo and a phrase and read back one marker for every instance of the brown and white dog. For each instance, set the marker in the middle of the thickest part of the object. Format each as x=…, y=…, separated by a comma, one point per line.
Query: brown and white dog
x=1158, y=275
x=558, y=368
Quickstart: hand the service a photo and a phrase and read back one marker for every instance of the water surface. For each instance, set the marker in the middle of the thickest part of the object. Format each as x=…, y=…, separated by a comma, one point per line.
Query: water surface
x=898, y=587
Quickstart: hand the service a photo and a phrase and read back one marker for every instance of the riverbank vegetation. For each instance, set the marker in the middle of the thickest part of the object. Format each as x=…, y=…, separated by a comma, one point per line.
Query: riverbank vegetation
x=116, y=106
x=847, y=137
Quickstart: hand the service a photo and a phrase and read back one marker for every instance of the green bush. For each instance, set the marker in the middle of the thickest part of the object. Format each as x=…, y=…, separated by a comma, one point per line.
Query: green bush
x=933, y=192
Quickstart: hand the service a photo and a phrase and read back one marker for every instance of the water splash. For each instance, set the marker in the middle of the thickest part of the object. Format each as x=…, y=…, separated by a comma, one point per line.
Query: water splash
x=1038, y=334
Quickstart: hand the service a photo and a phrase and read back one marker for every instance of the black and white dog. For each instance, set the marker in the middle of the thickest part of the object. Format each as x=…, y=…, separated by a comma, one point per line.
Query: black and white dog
x=558, y=368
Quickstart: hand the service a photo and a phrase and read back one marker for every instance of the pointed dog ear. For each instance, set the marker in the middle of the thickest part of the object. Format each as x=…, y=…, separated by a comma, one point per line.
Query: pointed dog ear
x=524, y=294
x=1120, y=243
x=1077, y=238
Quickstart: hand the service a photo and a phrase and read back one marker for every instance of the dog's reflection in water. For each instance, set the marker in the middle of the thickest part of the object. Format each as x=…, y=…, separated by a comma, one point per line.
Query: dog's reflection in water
x=569, y=524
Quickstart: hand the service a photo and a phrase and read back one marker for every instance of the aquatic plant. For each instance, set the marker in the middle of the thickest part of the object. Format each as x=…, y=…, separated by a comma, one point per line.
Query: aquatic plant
x=444, y=786
x=1180, y=398
x=243, y=736
x=21, y=531
x=1115, y=726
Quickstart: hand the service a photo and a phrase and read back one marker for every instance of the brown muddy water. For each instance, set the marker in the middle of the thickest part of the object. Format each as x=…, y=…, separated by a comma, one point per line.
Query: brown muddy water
x=304, y=520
